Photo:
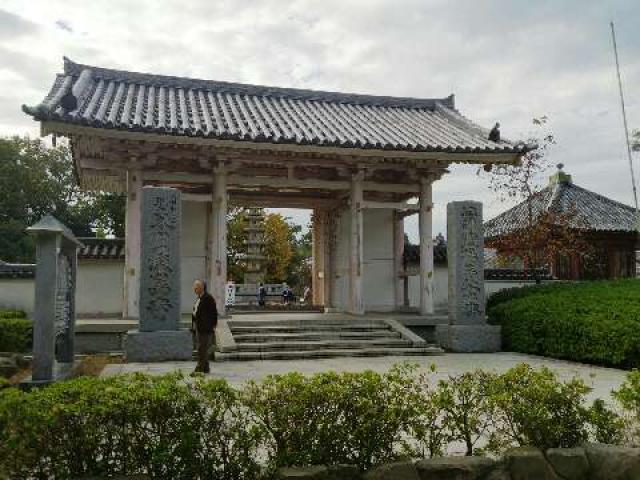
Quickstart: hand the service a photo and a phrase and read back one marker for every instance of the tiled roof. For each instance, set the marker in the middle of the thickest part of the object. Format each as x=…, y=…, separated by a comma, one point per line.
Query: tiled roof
x=17, y=270
x=592, y=211
x=102, y=249
x=116, y=99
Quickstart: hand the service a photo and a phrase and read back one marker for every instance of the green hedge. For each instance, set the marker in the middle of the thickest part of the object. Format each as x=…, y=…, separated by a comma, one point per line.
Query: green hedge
x=12, y=314
x=16, y=335
x=168, y=427
x=593, y=322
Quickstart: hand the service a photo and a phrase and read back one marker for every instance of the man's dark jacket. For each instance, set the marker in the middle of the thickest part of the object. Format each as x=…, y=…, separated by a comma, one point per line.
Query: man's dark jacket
x=206, y=316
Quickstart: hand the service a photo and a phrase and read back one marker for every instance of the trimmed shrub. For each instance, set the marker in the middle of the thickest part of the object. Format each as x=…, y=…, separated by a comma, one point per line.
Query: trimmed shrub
x=128, y=425
x=593, y=322
x=531, y=407
x=16, y=335
x=168, y=427
x=12, y=314
x=335, y=418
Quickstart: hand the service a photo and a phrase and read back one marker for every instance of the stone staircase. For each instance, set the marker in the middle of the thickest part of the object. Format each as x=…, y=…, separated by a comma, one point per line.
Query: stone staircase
x=270, y=337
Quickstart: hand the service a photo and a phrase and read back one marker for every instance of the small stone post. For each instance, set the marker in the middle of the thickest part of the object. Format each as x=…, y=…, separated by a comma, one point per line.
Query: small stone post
x=158, y=337
x=54, y=312
x=467, y=330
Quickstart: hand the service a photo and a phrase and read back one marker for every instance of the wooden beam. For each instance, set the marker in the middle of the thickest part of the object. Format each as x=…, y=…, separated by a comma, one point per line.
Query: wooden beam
x=391, y=205
x=281, y=182
x=423, y=157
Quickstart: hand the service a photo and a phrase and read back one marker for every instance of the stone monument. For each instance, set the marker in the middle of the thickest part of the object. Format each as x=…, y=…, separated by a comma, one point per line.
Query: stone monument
x=54, y=307
x=467, y=330
x=159, y=336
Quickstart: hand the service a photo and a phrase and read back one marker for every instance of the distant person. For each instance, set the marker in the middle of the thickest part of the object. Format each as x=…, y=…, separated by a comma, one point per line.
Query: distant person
x=262, y=295
x=306, y=295
x=203, y=322
x=285, y=294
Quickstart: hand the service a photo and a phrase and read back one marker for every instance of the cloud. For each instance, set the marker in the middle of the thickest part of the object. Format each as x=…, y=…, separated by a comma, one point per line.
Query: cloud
x=12, y=26
x=504, y=60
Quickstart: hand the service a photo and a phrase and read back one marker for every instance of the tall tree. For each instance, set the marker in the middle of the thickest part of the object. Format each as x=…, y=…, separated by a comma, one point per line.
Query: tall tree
x=36, y=180
x=278, y=248
x=544, y=234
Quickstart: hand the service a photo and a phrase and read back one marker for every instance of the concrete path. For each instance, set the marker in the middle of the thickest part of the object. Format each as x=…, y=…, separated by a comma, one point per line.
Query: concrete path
x=602, y=380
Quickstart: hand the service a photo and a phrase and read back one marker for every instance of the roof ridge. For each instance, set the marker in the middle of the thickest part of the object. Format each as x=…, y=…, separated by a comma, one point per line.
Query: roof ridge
x=74, y=69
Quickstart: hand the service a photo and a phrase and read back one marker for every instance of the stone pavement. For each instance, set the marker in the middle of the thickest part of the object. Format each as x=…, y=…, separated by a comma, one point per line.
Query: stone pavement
x=602, y=380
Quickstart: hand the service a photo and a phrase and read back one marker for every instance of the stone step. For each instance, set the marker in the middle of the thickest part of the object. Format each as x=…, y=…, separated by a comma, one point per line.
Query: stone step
x=308, y=323
x=322, y=345
x=326, y=353
x=259, y=336
x=236, y=330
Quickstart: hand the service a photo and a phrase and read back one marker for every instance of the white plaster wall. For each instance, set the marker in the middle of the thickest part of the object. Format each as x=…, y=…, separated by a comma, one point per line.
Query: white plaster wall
x=442, y=283
x=100, y=288
x=440, y=288
x=377, y=243
x=17, y=293
x=193, y=250
x=98, y=292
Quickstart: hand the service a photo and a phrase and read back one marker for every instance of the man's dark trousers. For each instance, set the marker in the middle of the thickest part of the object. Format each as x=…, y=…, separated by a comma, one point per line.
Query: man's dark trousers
x=204, y=341
x=205, y=320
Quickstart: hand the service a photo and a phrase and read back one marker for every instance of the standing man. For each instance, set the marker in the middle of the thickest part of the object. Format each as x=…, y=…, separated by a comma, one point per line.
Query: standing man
x=203, y=321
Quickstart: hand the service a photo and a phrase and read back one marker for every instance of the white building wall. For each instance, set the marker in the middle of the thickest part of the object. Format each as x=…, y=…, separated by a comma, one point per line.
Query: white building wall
x=98, y=292
x=193, y=247
x=17, y=294
x=100, y=288
x=441, y=286
x=377, y=243
x=378, y=287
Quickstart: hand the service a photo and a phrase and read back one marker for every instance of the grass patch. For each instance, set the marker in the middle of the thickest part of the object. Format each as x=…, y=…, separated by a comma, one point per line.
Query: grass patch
x=92, y=366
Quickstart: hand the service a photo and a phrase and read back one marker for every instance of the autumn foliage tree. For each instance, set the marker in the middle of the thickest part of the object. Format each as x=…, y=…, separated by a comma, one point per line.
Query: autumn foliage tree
x=543, y=234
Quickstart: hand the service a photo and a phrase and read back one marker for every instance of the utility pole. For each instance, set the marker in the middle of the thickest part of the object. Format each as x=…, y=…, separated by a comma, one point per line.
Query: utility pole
x=626, y=127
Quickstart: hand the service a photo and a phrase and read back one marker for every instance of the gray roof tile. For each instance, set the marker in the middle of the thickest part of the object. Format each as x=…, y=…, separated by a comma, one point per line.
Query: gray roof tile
x=592, y=211
x=133, y=101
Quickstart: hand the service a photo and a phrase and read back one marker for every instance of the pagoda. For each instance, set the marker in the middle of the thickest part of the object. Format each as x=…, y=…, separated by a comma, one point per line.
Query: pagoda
x=255, y=243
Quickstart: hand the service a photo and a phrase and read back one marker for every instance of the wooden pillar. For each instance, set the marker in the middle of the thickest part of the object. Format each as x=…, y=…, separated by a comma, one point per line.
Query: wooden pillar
x=356, y=258
x=218, y=239
x=131, y=294
x=426, y=247
x=329, y=262
x=398, y=253
x=319, y=256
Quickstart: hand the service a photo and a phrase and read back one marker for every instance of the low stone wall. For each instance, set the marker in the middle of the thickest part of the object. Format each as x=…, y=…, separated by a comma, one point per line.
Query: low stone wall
x=591, y=462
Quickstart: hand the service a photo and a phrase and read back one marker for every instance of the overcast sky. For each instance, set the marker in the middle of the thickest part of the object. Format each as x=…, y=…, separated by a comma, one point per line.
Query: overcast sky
x=506, y=61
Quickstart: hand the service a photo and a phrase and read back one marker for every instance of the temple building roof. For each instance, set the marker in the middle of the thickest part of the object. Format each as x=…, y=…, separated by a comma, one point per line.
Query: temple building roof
x=592, y=211
x=139, y=102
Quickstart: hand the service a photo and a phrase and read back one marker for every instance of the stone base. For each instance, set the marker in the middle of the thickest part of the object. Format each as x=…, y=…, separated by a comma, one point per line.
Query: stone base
x=158, y=346
x=469, y=338
x=61, y=371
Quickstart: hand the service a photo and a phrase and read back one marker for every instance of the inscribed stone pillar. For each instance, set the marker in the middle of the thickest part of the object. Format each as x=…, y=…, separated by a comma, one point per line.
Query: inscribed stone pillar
x=54, y=312
x=467, y=330
x=159, y=337
x=356, y=257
